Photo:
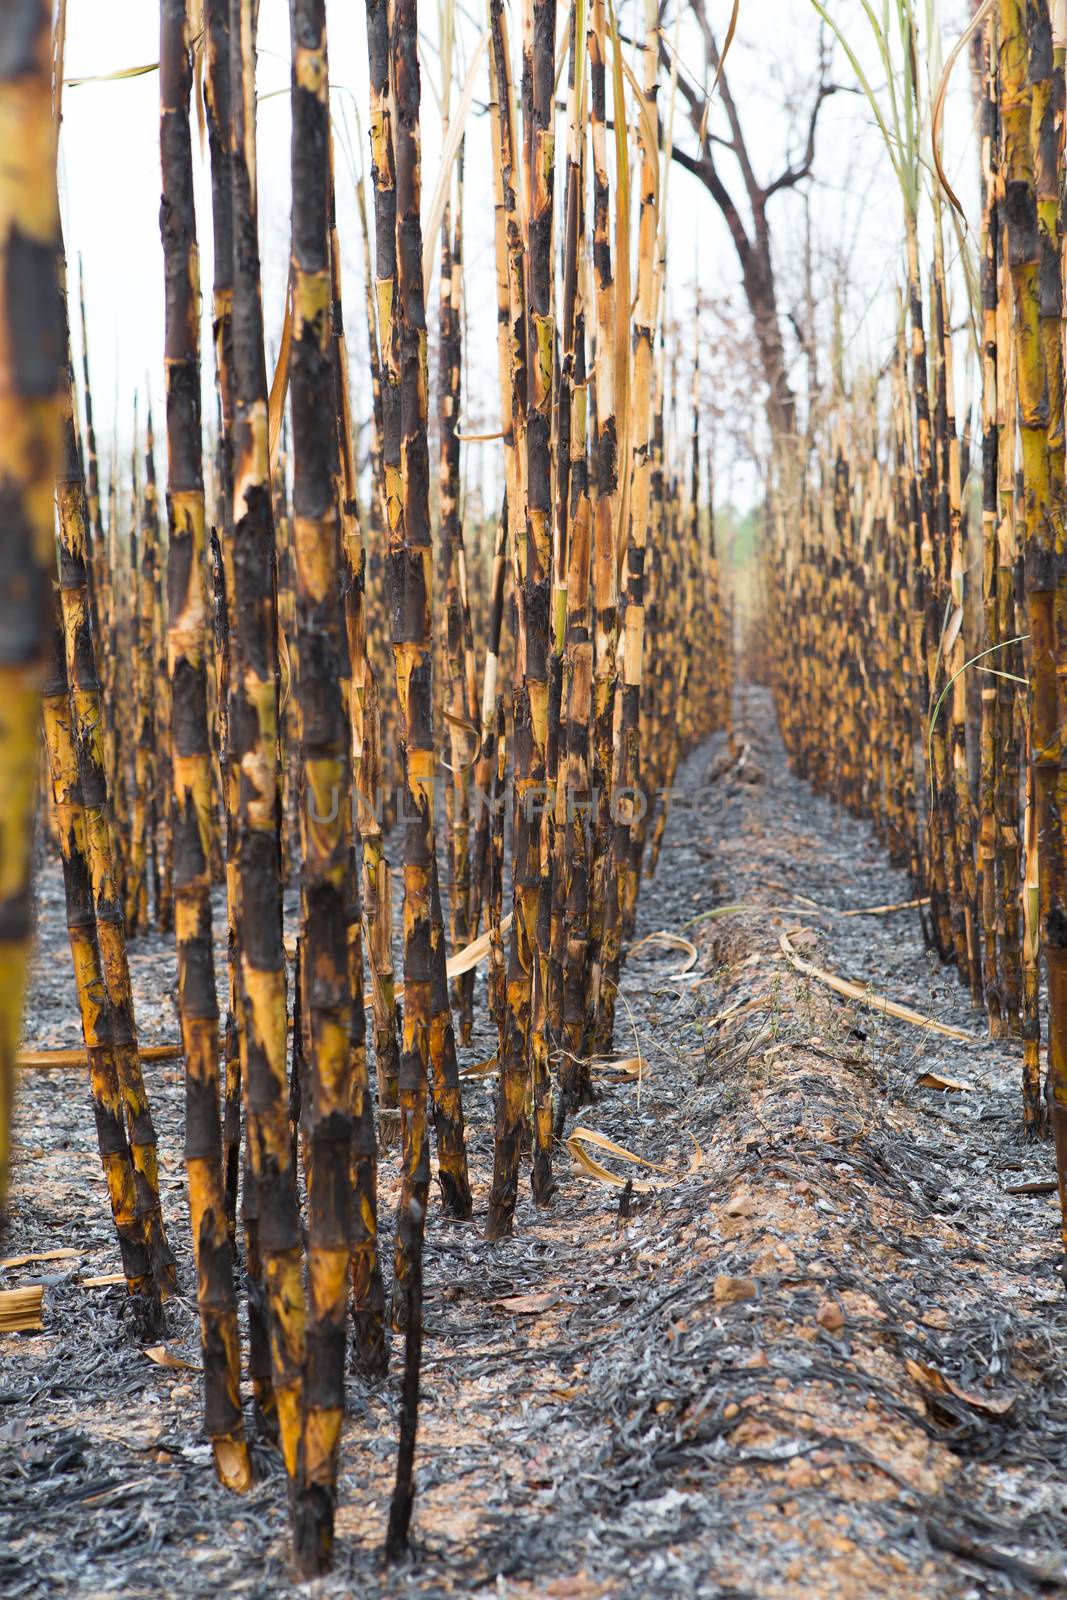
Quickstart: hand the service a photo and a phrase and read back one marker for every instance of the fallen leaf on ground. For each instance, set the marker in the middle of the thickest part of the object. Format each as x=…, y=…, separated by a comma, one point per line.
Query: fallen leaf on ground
x=875, y=1002
x=928, y=1378
x=167, y=1358
x=480, y=1069
x=525, y=1304
x=626, y=1068
x=671, y=941
x=936, y=1080
x=883, y=911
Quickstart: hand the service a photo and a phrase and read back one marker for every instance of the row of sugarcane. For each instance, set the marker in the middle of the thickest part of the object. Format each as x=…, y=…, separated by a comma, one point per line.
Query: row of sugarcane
x=263, y=650
x=919, y=695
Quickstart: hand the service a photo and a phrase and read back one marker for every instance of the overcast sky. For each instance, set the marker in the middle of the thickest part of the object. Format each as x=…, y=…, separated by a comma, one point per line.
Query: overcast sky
x=110, y=185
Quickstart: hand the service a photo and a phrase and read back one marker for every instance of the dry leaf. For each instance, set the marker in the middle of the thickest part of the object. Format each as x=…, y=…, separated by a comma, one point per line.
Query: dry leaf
x=280, y=381
x=103, y=1282
x=601, y=1142
x=934, y=1080
x=883, y=911
x=596, y=1170
x=874, y=1002
x=671, y=941
x=626, y=1069
x=930, y=1379
x=525, y=1304
x=480, y=1069
x=167, y=1358
x=583, y=1136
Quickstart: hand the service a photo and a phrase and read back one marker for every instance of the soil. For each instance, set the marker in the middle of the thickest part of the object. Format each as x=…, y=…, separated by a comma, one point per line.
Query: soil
x=814, y=1348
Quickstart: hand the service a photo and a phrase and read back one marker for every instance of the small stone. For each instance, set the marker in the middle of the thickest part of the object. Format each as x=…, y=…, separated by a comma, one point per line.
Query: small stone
x=728, y=1290
x=830, y=1316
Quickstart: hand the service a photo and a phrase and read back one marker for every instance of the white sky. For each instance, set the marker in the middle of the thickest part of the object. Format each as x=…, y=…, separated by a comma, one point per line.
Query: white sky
x=110, y=188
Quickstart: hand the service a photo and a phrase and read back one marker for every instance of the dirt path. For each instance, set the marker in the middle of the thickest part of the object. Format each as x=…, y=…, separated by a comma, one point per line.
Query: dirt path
x=825, y=1355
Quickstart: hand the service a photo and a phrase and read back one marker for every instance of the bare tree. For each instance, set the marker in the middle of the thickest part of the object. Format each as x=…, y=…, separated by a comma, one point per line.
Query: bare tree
x=752, y=234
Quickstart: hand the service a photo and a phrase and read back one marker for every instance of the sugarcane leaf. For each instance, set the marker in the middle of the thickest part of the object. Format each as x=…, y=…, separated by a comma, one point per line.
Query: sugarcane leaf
x=937, y=1080
x=727, y=42
x=952, y=631
x=863, y=995
x=993, y=648
x=528, y=1305
x=432, y=225
x=196, y=25
x=280, y=381
x=670, y=941
x=112, y=77
x=942, y=90
x=164, y=1357
x=891, y=142
x=600, y=1141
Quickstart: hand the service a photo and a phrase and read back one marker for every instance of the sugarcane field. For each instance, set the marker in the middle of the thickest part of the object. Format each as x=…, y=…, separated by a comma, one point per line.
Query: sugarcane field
x=533, y=799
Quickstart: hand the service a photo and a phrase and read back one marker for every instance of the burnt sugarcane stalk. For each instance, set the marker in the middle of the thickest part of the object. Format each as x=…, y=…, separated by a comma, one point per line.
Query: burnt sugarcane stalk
x=163, y=860
x=368, y=1291
x=462, y=692
x=32, y=353
x=87, y=715
x=622, y=902
x=92, y=1003
x=606, y=487
x=411, y=563
x=526, y=876
x=427, y=1037
x=269, y=1208
x=191, y=756
x=571, y=892
x=142, y=573
x=217, y=100
x=539, y=52
x=1039, y=451
x=377, y=871
x=326, y=828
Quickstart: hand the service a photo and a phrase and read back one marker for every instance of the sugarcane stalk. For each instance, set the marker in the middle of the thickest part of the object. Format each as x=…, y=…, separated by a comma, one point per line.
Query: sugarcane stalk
x=191, y=757
x=368, y=1291
x=32, y=352
x=326, y=819
x=377, y=879
x=92, y=1003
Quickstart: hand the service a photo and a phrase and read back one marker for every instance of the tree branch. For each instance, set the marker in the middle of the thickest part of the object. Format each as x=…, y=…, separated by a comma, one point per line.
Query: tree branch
x=794, y=175
x=703, y=166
